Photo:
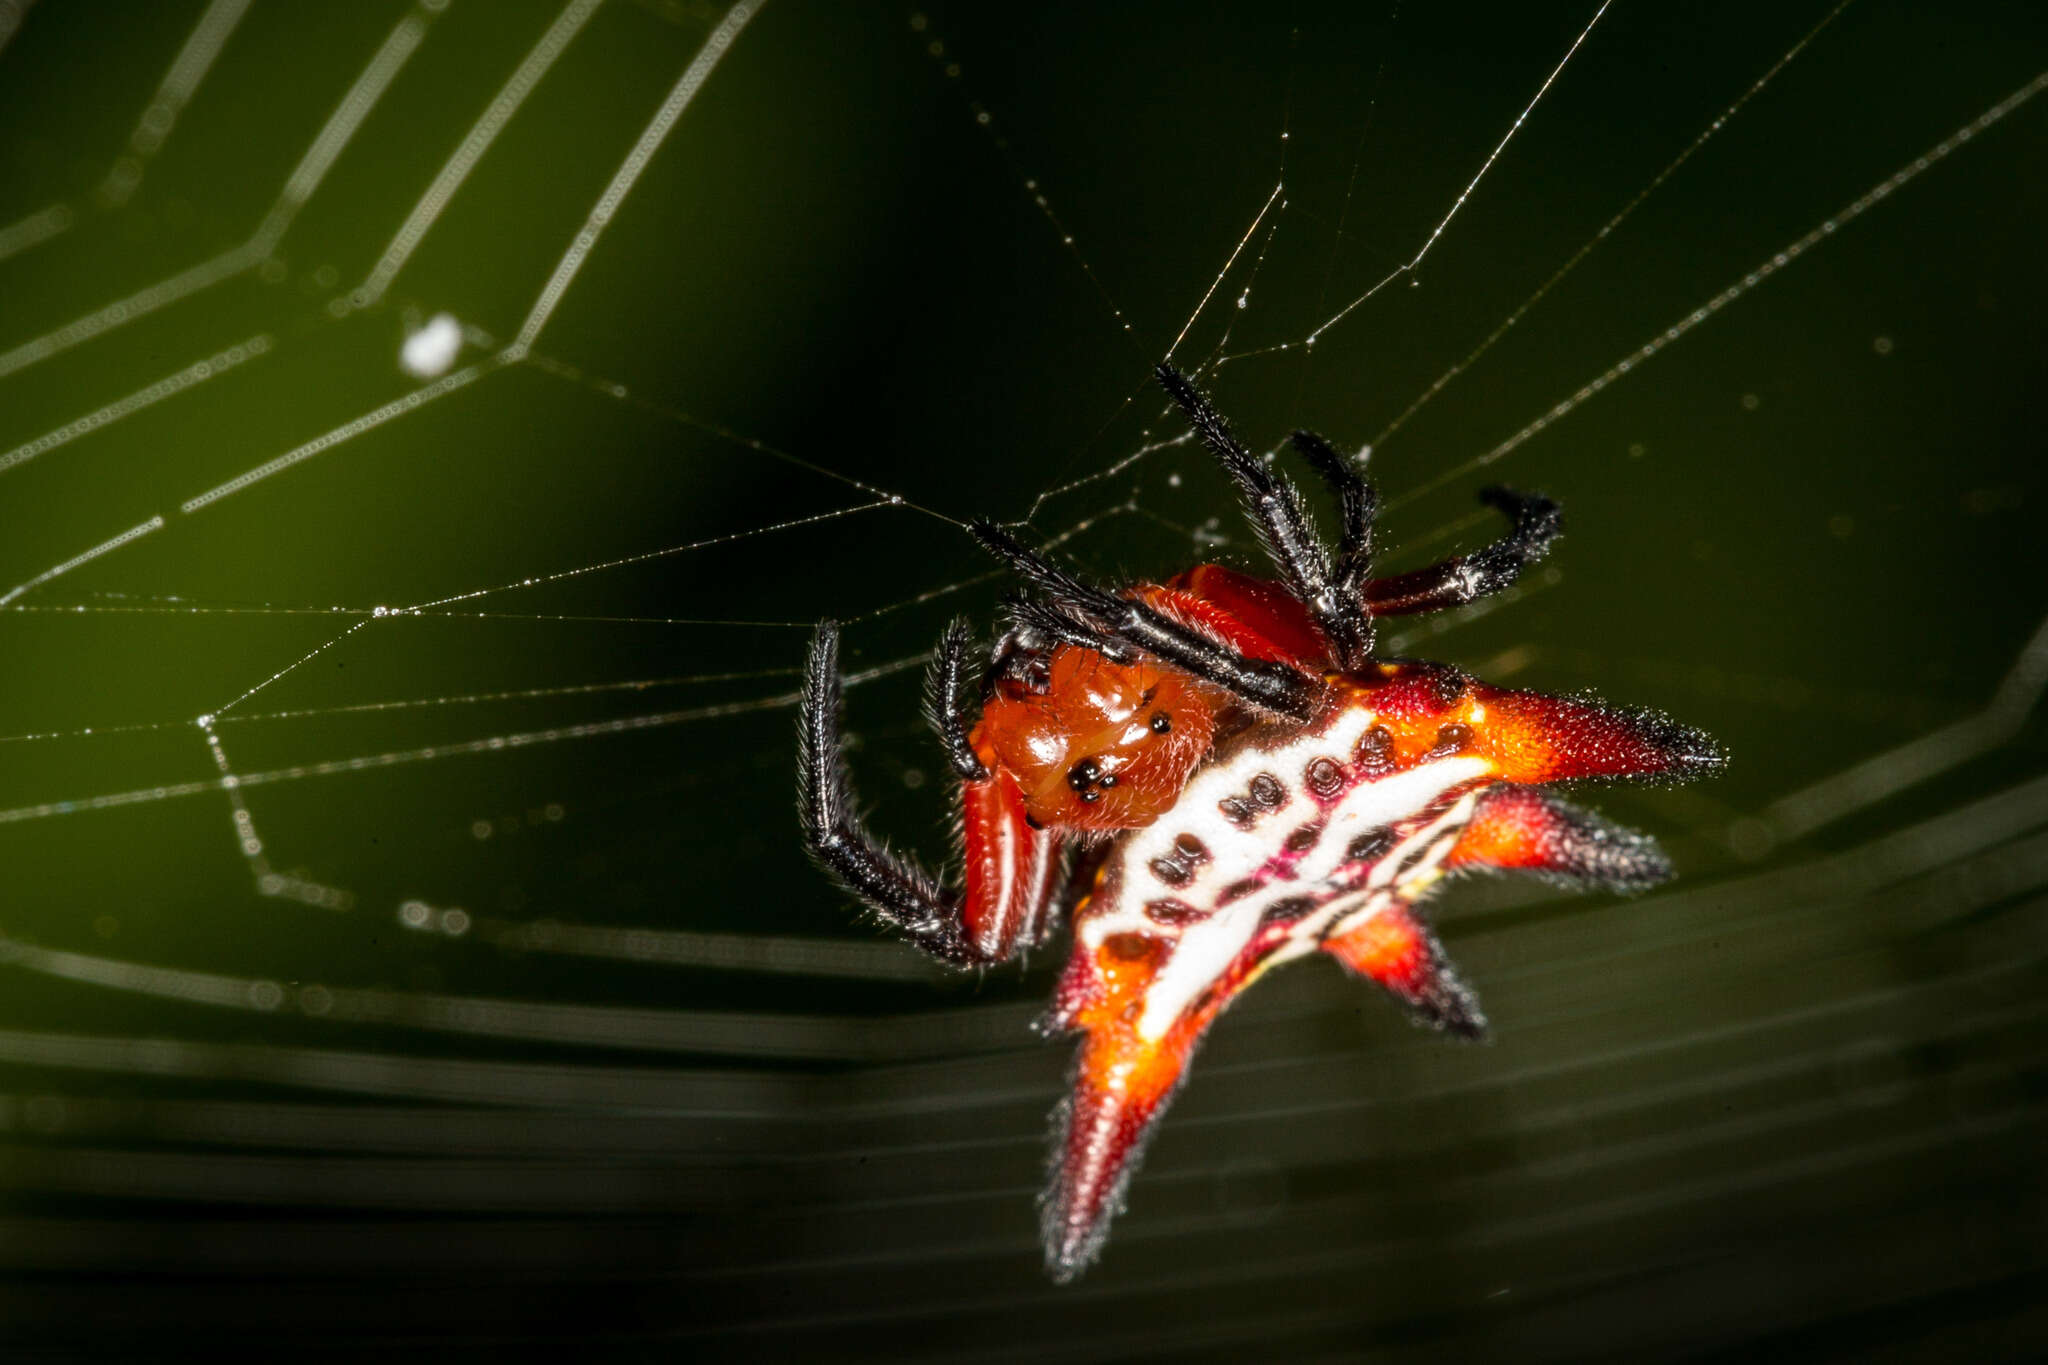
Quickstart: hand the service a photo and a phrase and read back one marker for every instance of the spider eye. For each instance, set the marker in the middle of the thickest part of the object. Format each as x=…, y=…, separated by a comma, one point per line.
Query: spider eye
x=1161, y=723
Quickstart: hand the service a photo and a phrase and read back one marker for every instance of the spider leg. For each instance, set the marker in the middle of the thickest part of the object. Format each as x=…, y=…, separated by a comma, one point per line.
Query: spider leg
x=1461, y=578
x=1052, y=622
x=1014, y=868
x=1274, y=506
x=1357, y=502
x=944, y=692
x=901, y=892
x=1100, y=620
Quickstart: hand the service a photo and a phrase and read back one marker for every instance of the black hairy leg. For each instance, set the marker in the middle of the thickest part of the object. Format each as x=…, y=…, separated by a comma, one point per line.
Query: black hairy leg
x=945, y=696
x=1077, y=613
x=1357, y=506
x=1274, y=506
x=899, y=891
x=1534, y=525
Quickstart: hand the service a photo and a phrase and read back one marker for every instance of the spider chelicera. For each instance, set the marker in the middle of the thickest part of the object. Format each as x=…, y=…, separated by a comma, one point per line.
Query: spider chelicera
x=1219, y=774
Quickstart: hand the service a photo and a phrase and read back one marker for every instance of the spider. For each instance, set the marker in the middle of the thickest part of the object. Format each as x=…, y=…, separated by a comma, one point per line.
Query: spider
x=1220, y=774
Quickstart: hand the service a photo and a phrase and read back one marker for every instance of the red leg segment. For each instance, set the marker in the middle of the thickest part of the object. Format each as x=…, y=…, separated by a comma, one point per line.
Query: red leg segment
x=1011, y=867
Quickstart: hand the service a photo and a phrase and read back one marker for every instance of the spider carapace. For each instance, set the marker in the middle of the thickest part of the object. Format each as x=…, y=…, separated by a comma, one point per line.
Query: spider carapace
x=1219, y=774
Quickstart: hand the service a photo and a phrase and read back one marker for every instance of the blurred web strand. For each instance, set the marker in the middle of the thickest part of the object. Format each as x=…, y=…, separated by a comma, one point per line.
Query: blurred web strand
x=472, y=148
x=1884, y=775
x=198, y=372
x=1783, y=257
x=630, y=1089
x=108, y=546
x=704, y=1094
x=957, y=1032
x=472, y=1145
x=12, y=12
x=1239, y=1279
x=1409, y=266
x=400, y=406
x=341, y=126
x=679, y=97
x=961, y=1032
x=1607, y=229
x=187, y=70
x=770, y=954
x=724, y=1033
x=142, y=303
x=36, y=228
x=707, y=1095
x=1568, y=1207
x=1747, y=912
x=685, y=90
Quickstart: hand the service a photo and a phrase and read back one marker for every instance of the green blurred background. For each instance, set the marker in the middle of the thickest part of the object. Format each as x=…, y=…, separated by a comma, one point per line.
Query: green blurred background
x=555, y=1044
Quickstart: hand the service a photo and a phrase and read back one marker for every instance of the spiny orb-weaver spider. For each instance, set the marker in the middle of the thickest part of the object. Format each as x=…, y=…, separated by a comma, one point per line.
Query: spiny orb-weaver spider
x=1220, y=775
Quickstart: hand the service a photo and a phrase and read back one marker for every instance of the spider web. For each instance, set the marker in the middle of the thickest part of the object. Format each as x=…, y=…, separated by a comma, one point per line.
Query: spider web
x=431, y=431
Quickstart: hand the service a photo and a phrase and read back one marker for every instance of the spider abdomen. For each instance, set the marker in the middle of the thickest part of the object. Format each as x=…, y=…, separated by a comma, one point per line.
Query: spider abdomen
x=1281, y=839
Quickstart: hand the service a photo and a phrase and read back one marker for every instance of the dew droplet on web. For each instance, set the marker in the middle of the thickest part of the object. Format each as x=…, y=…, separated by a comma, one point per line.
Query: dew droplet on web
x=430, y=352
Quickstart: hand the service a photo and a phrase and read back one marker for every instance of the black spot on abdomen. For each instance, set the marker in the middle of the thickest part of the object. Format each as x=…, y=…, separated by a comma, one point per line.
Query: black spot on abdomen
x=1370, y=846
x=1325, y=778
